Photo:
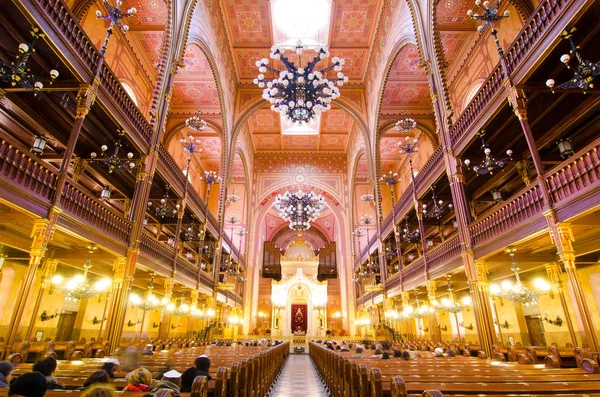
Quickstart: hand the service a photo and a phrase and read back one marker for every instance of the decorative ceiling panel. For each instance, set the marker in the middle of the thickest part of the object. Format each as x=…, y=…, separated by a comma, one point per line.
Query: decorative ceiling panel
x=195, y=64
x=300, y=142
x=335, y=143
x=406, y=64
x=264, y=121
x=248, y=22
x=211, y=147
x=354, y=22
x=455, y=45
x=400, y=95
x=451, y=13
x=149, y=44
x=336, y=121
x=267, y=142
x=196, y=95
x=148, y=12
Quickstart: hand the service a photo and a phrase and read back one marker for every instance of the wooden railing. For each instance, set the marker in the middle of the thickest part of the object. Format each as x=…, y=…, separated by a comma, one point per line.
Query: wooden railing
x=538, y=23
x=175, y=176
x=523, y=206
x=434, y=160
x=67, y=24
x=21, y=168
x=156, y=250
x=444, y=253
x=575, y=174
x=187, y=268
x=112, y=86
x=89, y=210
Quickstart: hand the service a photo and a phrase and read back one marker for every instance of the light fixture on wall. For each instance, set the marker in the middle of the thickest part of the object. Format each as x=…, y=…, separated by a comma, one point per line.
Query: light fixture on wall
x=565, y=148
x=489, y=165
x=517, y=292
x=39, y=144
x=18, y=72
x=115, y=162
x=105, y=193
x=496, y=195
x=300, y=92
x=584, y=73
x=405, y=124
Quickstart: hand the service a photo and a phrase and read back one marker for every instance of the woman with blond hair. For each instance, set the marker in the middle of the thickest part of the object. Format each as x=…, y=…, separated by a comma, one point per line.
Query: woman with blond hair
x=139, y=380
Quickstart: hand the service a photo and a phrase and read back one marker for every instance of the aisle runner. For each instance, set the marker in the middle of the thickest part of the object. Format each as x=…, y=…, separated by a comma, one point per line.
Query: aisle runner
x=299, y=378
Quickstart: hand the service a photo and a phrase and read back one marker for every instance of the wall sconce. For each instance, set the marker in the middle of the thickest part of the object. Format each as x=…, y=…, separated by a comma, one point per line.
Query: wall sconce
x=131, y=323
x=173, y=326
x=145, y=221
x=45, y=317
x=502, y=325
x=154, y=325
x=426, y=329
x=496, y=195
x=558, y=322
x=170, y=241
x=429, y=242
x=105, y=193
x=39, y=144
x=455, y=224
x=96, y=321
x=444, y=328
x=565, y=147
x=469, y=327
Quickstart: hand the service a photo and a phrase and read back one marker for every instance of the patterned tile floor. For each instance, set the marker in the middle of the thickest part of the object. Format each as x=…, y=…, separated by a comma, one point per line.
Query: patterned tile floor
x=299, y=378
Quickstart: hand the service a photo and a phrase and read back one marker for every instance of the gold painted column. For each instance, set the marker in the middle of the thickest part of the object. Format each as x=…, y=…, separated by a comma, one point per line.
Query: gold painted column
x=123, y=275
x=48, y=270
x=165, y=322
x=434, y=326
x=476, y=271
x=563, y=237
x=41, y=234
x=554, y=275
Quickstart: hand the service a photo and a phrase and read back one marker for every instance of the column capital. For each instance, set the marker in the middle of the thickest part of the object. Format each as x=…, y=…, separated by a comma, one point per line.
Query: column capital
x=86, y=96
x=517, y=99
x=79, y=166
x=119, y=270
x=554, y=272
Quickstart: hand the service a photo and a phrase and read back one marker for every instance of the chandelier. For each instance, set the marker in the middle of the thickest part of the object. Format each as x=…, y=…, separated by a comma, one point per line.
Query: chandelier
x=300, y=208
x=449, y=304
x=518, y=292
x=489, y=165
x=210, y=178
x=439, y=209
x=18, y=72
x=163, y=210
x=190, y=233
x=151, y=302
x=195, y=123
x=410, y=237
x=300, y=92
x=233, y=198
x=367, y=197
x=584, y=73
x=419, y=312
x=113, y=162
x=183, y=309
x=79, y=287
x=114, y=15
x=362, y=272
x=489, y=16
x=405, y=124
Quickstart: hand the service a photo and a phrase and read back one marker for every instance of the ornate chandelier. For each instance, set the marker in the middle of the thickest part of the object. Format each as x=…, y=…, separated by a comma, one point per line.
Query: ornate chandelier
x=439, y=209
x=18, y=72
x=193, y=234
x=489, y=165
x=114, y=162
x=405, y=124
x=518, y=292
x=410, y=237
x=300, y=92
x=79, y=287
x=450, y=305
x=150, y=302
x=419, y=312
x=210, y=178
x=195, y=123
x=300, y=208
x=584, y=73
x=163, y=210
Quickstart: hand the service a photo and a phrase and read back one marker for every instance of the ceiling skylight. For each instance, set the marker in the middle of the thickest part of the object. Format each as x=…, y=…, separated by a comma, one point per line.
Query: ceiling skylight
x=290, y=128
x=307, y=20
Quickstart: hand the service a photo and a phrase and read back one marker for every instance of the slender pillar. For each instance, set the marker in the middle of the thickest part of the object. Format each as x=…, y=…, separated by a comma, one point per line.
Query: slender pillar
x=554, y=275
x=165, y=323
x=41, y=234
x=48, y=270
x=476, y=271
x=434, y=326
x=563, y=237
x=123, y=269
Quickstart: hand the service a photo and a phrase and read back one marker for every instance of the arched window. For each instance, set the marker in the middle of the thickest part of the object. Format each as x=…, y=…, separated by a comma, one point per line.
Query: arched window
x=130, y=92
x=472, y=92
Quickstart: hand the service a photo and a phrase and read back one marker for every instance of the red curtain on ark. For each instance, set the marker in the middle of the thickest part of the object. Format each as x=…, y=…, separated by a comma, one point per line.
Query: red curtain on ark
x=299, y=318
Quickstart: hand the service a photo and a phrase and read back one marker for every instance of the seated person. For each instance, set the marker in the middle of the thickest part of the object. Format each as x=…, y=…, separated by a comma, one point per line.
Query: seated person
x=111, y=366
x=171, y=380
x=344, y=349
x=438, y=352
x=147, y=350
x=406, y=355
x=451, y=353
x=100, y=391
x=95, y=378
x=30, y=384
x=6, y=370
x=377, y=354
x=385, y=356
x=47, y=367
x=139, y=380
x=397, y=353
x=359, y=352
x=200, y=368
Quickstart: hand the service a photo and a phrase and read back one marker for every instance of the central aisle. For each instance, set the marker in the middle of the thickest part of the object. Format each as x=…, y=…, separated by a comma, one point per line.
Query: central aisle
x=299, y=378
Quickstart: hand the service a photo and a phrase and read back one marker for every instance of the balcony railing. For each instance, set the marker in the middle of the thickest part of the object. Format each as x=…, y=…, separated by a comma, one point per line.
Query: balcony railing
x=576, y=174
x=84, y=207
x=156, y=250
x=525, y=205
x=21, y=169
x=444, y=253
x=187, y=268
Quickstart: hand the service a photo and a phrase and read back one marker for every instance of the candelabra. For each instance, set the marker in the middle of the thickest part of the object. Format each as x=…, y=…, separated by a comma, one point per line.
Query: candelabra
x=359, y=233
x=405, y=123
x=438, y=209
x=114, y=162
x=190, y=146
x=18, y=72
x=182, y=309
x=449, y=304
x=195, y=123
x=489, y=165
x=584, y=73
x=489, y=16
x=79, y=287
x=114, y=16
x=163, y=210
